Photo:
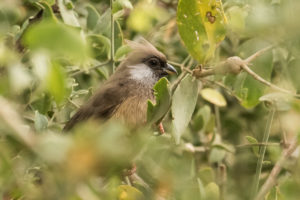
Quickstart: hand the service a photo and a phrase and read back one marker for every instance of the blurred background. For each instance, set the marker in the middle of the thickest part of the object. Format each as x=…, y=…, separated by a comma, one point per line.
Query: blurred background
x=55, y=54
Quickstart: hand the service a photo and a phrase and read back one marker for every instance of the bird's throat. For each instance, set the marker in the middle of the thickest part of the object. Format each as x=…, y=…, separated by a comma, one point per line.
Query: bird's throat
x=142, y=74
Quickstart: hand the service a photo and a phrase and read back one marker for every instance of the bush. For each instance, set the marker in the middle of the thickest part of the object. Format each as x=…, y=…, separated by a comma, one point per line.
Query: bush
x=231, y=116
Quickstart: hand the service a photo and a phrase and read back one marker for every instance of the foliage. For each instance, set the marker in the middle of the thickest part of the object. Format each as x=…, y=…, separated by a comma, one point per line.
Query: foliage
x=225, y=131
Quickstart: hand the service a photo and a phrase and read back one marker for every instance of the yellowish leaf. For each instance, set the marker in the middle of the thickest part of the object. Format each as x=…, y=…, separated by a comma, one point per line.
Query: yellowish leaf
x=213, y=96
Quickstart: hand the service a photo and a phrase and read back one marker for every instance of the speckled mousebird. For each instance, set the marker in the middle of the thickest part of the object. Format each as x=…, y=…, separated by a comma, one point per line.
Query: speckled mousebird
x=124, y=95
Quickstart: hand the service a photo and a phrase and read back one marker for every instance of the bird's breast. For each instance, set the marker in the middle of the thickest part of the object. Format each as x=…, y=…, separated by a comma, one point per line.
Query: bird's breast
x=133, y=110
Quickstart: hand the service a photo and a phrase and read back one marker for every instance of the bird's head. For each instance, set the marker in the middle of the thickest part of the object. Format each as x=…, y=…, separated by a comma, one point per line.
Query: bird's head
x=146, y=63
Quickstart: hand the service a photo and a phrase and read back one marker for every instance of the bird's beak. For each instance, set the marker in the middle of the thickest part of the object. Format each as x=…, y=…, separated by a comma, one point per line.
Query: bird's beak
x=170, y=69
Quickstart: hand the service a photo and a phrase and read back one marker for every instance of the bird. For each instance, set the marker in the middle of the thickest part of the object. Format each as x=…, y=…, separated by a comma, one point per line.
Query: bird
x=125, y=93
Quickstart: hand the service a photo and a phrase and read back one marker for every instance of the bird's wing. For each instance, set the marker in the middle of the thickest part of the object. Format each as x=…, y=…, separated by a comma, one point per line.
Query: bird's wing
x=102, y=105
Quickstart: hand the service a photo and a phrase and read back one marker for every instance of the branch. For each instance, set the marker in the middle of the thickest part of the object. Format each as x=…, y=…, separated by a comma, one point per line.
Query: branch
x=231, y=65
x=234, y=65
x=271, y=181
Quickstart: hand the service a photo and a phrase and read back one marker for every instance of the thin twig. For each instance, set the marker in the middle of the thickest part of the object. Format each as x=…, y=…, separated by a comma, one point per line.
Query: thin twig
x=182, y=75
x=127, y=180
x=257, y=144
x=90, y=69
x=283, y=133
x=257, y=54
x=137, y=179
x=262, y=151
x=260, y=79
x=222, y=169
x=271, y=181
x=231, y=92
x=218, y=119
x=182, y=67
x=73, y=103
x=112, y=36
x=178, y=80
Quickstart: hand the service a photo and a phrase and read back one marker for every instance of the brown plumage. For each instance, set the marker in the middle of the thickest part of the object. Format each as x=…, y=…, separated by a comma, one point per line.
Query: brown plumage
x=124, y=95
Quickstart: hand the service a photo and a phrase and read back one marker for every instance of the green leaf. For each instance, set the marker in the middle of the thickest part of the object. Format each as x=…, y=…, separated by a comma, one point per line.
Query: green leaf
x=213, y=96
x=289, y=189
x=42, y=104
x=103, y=28
x=67, y=14
x=216, y=155
x=100, y=46
x=127, y=192
x=92, y=18
x=40, y=121
x=56, y=37
x=281, y=101
x=50, y=2
x=103, y=25
x=53, y=148
x=157, y=110
x=201, y=25
x=56, y=83
x=183, y=105
x=236, y=18
x=119, y=5
x=293, y=71
x=206, y=174
x=253, y=140
x=122, y=52
x=274, y=194
x=227, y=147
x=212, y=192
x=145, y=15
x=267, y=163
x=201, y=188
x=201, y=119
x=125, y=4
x=47, y=10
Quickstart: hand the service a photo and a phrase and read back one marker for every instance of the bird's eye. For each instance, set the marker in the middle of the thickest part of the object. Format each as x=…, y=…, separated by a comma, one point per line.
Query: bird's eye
x=153, y=62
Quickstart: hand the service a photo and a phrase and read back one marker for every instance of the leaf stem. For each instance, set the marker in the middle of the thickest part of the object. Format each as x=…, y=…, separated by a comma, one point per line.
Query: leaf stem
x=262, y=151
x=112, y=36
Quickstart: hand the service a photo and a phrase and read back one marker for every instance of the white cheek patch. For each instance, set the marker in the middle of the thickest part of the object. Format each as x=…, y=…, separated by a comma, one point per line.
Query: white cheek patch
x=142, y=73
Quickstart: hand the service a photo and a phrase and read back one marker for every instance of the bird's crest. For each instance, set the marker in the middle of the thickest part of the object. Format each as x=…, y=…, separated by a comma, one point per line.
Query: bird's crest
x=143, y=47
